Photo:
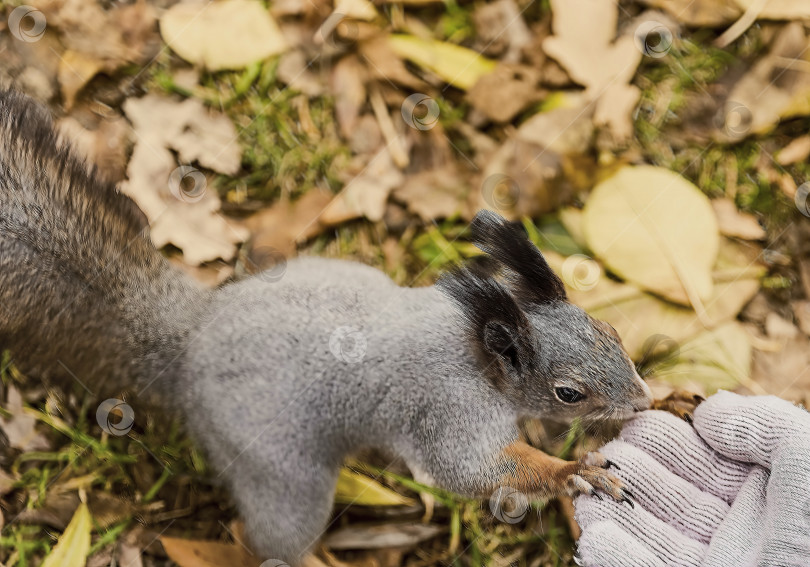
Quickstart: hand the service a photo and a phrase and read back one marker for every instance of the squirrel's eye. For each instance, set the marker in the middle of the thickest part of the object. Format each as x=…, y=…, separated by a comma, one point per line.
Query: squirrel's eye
x=568, y=395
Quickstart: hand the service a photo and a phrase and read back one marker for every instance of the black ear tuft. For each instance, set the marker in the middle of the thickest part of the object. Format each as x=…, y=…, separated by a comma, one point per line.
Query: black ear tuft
x=507, y=243
x=498, y=326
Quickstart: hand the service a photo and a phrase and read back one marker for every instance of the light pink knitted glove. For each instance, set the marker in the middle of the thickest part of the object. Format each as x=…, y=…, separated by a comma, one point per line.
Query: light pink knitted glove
x=734, y=491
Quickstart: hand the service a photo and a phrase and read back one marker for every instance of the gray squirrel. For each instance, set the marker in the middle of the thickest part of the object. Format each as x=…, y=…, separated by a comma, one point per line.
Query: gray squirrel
x=438, y=375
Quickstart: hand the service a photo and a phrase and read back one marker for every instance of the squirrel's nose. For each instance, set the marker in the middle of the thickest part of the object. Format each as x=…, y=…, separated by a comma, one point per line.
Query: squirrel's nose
x=645, y=400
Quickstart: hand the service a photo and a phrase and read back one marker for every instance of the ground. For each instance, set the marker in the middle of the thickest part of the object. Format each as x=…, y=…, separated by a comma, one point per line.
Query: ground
x=361, y=132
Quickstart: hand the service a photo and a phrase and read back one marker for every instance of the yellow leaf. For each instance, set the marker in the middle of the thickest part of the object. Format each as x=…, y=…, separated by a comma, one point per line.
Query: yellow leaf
x=713, y=360
x=222, y=35
x=654, y=228
x=640, y=317
x=779, y=9
x=357, y=9
x=356, y=488
x=199, y=553
x=76, y=69
x=72, y=547
x=459, y=66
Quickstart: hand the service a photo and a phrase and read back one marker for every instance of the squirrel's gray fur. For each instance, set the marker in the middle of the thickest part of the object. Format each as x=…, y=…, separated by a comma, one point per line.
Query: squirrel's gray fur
x=263, y=371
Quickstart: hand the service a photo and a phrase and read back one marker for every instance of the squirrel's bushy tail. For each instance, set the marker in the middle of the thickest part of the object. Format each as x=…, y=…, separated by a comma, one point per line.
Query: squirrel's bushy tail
x=84, y=295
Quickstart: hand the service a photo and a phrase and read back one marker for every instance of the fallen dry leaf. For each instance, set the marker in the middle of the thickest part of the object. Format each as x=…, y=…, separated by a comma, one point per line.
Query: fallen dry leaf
x=801, y=309
x=779, y=328
x=456, y=65
x=797, y=150
x=114, y=33
x=614, y=110
x=127, y=554
x=778, y=9
x=356, y=488
x=386, y=65
x=75, y=71
x=222, y=35
x=285, y=224
x=105, y=145
x=634, y=222
x=732, y=222
x=382, y=536
x=56, y=511
x=699, y=13
x=534, y=158
x=366, y=194
x=20, y=428
x=356, y=9
x=98, y=38
x=74, y=543
x=434, y=194
x=587, y=48
x=571, y=219
x=197, y=553
x=786, y=371
x=775, y=88
x=501, y=31
x=713, y=360
x=504, y=92
x=294, y=71
x=181, y=215
x=638, y=316
x=348, y=84
x=6, y=485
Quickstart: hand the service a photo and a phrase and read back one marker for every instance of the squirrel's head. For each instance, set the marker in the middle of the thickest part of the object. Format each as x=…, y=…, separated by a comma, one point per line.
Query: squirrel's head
x=549, y=357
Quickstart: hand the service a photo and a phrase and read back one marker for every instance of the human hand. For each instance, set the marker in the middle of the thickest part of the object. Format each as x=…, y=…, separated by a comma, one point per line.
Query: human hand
x=732, y=491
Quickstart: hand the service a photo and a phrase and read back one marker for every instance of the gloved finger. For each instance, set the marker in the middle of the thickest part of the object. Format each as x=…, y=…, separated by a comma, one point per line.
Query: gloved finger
x=663, y=541
x=666, y=495
x=676, y=445
x=749, y=428
x=738, y=540
x=787, y=526
x=605, y=543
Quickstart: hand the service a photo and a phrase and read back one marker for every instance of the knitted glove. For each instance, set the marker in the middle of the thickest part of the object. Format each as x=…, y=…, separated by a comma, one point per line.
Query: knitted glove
x=732, y=491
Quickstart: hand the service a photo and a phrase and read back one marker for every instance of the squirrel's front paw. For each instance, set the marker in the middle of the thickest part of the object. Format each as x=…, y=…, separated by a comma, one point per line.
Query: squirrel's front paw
x=592, y=476
x=680, y=403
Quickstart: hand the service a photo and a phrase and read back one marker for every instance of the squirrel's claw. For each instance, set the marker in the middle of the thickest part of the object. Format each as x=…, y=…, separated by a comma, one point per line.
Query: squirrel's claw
x=680, y=403
x=611, y=465
x=628, y=497
x=592, y=475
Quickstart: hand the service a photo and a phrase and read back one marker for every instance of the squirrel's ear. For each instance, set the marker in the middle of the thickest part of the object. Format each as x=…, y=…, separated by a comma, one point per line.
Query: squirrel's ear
x=509, y=244
x=498, y=327
x=498, y=340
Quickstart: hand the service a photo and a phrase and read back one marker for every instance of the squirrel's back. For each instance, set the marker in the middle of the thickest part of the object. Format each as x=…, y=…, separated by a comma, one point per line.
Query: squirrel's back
x=84, y=295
